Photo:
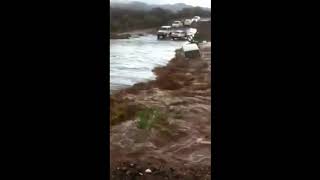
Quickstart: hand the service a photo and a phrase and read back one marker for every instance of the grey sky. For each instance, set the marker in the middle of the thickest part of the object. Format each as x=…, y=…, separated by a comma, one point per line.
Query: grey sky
x=203, y=3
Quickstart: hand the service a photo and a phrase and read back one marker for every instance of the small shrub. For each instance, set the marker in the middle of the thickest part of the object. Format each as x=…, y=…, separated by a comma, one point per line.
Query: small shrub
x=121, y=110
x=149, y=117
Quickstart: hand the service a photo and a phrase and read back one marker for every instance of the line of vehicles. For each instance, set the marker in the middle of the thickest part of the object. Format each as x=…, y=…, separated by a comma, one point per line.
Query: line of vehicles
x=178, y=29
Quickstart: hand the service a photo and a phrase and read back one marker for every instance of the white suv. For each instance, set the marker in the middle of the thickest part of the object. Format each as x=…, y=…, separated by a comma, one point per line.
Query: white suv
x=164, y=32
x=178, y=34
x=196, y=18
x=188, y=22
x=177, y=24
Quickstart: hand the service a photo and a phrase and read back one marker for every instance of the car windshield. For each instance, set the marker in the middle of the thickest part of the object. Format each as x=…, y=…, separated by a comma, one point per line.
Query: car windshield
x=164, y=28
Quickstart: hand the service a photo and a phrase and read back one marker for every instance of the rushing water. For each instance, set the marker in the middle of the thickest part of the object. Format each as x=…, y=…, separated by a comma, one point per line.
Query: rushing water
x=132, y=60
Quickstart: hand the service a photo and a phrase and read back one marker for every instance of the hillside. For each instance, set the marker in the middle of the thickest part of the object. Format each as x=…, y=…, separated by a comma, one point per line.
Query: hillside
x=136, y=5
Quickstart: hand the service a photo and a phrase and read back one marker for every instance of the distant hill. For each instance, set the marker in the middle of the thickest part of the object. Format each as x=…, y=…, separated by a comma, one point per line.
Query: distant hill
x=136, y=5
x=132, y=5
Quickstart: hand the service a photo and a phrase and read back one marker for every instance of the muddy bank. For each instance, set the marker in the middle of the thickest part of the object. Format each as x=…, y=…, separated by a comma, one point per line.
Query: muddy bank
x=177, y=143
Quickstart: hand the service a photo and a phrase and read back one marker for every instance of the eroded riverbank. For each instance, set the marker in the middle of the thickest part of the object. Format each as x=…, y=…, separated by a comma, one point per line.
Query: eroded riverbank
x=177, y=145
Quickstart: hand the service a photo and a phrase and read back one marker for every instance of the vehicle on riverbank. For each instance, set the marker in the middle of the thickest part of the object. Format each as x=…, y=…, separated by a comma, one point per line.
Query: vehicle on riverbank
x=191, y=31
x=177, y=24
x=164, y=32
x=178, y=34
x=187, y=22
x=196, y=18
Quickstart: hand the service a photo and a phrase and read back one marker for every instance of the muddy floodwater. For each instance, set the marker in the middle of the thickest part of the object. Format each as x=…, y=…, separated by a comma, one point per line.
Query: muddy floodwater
x=132, y=60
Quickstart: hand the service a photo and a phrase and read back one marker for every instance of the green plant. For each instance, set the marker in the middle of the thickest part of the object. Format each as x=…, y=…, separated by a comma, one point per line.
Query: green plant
x=148, y=117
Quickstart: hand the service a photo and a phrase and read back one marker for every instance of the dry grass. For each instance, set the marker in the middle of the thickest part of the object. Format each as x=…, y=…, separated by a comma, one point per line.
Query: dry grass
x=122, y=110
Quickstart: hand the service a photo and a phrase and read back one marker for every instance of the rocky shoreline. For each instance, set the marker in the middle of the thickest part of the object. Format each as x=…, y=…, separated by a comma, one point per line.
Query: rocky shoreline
x=179, y=145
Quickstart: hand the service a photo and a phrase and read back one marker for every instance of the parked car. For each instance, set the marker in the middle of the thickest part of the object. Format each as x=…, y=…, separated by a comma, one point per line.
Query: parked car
x=178, y=34
x=177, y=24
x=164, y=31
x=196, y=18
x=191, y=31
x=188, y=22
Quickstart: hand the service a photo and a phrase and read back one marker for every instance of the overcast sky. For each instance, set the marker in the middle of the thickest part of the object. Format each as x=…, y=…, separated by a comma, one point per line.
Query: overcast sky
x=203, y=3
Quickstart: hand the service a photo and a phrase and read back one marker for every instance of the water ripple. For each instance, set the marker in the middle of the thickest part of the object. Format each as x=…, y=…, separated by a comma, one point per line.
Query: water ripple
x=132, y=60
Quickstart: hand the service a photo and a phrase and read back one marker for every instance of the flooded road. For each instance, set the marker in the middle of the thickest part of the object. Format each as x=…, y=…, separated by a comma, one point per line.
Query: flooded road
x=132, y=60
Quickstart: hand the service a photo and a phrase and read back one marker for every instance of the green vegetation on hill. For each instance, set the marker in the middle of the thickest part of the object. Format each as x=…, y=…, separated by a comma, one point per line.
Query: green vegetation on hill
x=122, y=20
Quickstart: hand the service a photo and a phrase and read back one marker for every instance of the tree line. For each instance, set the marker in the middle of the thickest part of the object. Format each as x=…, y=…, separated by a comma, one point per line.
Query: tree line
x=125, y=20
